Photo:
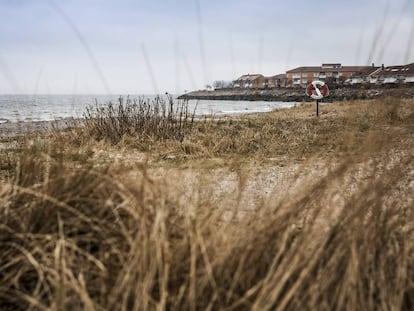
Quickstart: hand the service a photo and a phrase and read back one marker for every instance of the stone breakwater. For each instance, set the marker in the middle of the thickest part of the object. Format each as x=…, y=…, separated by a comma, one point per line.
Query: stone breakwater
x=298, y=94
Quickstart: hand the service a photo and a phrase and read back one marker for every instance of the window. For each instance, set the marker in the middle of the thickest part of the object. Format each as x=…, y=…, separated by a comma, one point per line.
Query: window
x=316, y=74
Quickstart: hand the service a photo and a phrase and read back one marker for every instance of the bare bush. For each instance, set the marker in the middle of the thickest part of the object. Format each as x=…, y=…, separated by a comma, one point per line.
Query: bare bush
x=144, y=118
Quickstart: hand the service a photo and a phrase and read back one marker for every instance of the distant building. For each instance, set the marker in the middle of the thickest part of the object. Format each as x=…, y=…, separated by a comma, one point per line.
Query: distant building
x=364, y=76
x=393, y=75
x=276, y=81
x=249, y=81
x=335, y=73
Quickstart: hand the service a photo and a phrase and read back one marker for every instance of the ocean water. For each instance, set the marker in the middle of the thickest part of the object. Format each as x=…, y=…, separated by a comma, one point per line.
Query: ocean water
x=29, y=108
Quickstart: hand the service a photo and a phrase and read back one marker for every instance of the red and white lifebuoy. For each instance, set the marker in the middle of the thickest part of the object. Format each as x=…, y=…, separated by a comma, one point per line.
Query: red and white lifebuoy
x=317, y=90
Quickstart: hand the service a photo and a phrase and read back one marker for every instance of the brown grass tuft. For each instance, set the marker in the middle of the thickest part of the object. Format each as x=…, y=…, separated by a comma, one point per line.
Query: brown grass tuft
x=147, y=119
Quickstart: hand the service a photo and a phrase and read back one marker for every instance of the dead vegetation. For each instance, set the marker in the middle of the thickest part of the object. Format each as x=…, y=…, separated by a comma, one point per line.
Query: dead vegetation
x=81, y=232
x=142, y=118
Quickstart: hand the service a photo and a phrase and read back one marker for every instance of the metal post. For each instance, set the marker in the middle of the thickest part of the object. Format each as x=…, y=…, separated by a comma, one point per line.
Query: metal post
x=317, y=107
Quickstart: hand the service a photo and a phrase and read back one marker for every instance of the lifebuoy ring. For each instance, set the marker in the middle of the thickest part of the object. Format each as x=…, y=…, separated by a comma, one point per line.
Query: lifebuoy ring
x=317, y=90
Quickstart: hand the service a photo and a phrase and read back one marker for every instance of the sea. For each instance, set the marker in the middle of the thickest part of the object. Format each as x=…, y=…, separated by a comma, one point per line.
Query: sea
x=32, y=108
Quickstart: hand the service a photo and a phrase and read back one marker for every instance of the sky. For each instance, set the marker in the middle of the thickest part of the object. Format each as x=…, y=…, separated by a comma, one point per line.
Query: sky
x=121, y=47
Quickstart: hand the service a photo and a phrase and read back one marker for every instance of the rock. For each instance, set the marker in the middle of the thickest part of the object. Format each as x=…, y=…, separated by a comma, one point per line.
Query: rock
x=298, y=94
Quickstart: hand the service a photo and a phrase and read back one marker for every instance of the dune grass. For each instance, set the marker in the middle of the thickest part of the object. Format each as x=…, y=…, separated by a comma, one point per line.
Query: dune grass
x=157, y=119
x=290, y=133
x=81, y=234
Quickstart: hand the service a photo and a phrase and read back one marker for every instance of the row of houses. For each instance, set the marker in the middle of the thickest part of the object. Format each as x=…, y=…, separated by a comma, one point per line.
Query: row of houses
x=391, y=75
x=330, y=73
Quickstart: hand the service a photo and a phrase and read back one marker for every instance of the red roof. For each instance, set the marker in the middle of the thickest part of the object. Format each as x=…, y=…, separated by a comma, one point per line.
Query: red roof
x=366, y=72
x=397, y=70
x=325, y=69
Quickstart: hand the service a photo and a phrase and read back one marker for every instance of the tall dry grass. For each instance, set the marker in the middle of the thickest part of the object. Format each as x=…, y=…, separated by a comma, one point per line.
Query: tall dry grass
x=161, y=128
x=77, y=235
x=156, y=119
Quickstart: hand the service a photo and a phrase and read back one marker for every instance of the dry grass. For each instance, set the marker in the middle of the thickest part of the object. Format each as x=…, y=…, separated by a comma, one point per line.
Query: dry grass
x=146, y=119
x=292, y=133
x=78, y=233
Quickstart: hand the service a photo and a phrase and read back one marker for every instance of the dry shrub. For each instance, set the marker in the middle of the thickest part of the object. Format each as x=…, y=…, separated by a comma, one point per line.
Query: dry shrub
x=142, y=118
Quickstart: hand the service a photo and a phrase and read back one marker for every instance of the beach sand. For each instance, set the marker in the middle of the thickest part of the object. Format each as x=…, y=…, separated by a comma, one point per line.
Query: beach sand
x=13, y=129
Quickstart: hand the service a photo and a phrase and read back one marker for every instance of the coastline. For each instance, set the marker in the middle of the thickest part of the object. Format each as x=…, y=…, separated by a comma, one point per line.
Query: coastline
x=13, y=129
x=298, y=94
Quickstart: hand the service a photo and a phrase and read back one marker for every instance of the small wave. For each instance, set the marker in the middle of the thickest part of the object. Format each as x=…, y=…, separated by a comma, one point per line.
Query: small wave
x=246, y=110
x=29, y=119
x=4, y=121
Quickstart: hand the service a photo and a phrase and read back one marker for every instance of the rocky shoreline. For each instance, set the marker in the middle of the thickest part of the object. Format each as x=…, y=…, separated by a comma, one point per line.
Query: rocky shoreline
x=298, y=94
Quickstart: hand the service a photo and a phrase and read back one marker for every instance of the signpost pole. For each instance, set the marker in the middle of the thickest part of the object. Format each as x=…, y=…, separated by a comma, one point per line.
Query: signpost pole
x=317, y=107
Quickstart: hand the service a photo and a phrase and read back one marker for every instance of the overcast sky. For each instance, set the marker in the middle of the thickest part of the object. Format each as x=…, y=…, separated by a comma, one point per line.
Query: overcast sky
x=158, y=46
